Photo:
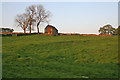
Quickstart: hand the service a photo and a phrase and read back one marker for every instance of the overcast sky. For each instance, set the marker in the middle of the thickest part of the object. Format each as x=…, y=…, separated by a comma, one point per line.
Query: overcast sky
x=79, y=17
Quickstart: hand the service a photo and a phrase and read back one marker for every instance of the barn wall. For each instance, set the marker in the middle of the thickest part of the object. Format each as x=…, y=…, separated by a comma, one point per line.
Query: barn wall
x=50, y=31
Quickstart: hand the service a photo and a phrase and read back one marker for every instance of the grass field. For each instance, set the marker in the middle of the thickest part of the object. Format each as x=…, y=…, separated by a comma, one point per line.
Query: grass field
x=40, y=56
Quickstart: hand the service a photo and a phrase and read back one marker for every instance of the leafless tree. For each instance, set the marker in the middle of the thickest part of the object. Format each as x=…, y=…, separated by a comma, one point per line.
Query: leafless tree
x=22, y=21
x=41, y=16
x=34, y=15
x=31, y=11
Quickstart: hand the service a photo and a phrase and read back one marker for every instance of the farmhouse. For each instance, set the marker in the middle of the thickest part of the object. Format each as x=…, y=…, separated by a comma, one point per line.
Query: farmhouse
x=51, y=30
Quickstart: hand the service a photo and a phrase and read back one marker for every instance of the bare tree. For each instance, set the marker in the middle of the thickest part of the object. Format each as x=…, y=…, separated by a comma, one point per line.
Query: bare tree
x=41, y=16
x=22, y=21
x=34, y=15
x=31, y=11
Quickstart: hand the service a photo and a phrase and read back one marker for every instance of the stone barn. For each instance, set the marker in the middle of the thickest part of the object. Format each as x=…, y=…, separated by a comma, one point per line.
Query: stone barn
x=51, y=30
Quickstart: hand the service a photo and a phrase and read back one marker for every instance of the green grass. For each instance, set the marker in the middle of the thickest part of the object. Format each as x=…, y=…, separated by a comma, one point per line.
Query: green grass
x=40, y=56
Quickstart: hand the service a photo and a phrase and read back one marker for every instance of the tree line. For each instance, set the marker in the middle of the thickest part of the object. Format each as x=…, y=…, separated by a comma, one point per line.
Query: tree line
x=34, y=16
x=109, y=30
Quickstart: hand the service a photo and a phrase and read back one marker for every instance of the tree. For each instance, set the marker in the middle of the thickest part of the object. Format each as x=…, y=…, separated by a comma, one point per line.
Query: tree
x=107, y=30
x=117, y=31
x=31, y=13
x=22, y=21
x=6, y=30
x=11, y=30
x=102, y=31
x=34, y=15
x=41, y=16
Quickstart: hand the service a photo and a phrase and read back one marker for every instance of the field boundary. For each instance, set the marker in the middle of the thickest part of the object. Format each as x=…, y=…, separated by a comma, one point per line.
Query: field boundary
x=22, y=34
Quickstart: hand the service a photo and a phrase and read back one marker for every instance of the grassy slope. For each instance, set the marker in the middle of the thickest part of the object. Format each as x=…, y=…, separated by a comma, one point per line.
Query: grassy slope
x=60, y=57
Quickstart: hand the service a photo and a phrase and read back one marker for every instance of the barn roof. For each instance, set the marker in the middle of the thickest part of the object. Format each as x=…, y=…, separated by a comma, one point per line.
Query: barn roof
x=51, y=26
